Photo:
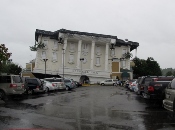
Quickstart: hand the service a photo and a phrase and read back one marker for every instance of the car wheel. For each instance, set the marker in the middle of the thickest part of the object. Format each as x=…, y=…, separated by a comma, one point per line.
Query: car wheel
x=47, y=90
x=114, y=84
x=67, y=88
x=31, y=92
x=2, y=95
x=102, y=84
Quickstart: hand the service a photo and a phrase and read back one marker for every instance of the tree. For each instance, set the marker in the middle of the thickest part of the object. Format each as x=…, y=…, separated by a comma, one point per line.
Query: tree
x=11, y=68
x=4, y=55
x=169, y=73
x=146, y=67
x=153, y=67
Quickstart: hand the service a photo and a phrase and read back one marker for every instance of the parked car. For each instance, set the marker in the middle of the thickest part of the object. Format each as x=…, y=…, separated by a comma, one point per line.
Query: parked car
x=109, y=82
x=144, y=81
x=169, y=101
x=135, y=87
x=132, y=85
x=10, y=85
x=48, y=86
x=156, y=88
x=33, y=85
x=69, y=84
x=59, y=82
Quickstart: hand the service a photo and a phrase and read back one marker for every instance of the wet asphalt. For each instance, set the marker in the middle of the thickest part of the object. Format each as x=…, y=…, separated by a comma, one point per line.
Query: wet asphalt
x=85, y=108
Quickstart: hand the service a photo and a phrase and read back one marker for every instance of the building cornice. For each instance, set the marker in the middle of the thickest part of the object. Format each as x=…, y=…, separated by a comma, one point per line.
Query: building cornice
x=85, y=36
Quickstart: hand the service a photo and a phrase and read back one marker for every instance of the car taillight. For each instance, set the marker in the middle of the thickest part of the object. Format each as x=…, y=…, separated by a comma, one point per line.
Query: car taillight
x=53, y=85
x=37, y=86
x=13, y=85
x=23, y=85
x=150, y=89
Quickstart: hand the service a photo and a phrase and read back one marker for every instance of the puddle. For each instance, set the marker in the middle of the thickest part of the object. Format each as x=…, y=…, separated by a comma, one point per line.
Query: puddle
x=7, y=119
x=21, y=106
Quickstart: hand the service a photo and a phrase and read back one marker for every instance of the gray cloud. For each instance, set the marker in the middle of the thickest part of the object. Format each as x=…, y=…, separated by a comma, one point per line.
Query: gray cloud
x=151, y=23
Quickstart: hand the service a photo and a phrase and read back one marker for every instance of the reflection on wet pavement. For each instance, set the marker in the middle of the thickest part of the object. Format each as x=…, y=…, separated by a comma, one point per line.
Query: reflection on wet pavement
x=93, y=108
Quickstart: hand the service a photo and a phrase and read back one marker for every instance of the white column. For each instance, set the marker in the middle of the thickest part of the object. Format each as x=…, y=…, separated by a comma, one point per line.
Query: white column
x=79, y=53
x=92, y=54
x=106, y=56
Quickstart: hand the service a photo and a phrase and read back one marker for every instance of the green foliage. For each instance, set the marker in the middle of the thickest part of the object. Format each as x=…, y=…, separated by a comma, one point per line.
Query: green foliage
x=40, y=45
x=169, y=73
x=146, y=67
x=4, y=55
x=11, y=68
x=128, y=55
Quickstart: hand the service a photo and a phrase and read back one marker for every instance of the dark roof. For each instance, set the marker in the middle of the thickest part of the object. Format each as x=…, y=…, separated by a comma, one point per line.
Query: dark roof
x=54, y=35
x=86, y=33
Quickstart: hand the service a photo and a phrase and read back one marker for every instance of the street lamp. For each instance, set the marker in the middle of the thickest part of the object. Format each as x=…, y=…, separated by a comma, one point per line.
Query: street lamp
x=112, y=47
x=61, y=41
x=81, y=59
x=63, y=62
x=45, y=60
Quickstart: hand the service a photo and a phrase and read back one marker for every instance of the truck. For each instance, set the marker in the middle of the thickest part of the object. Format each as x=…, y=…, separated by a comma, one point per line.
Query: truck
x=156, y=88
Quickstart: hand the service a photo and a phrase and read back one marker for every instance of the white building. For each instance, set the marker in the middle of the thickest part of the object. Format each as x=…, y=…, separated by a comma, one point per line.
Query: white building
x=103, y=55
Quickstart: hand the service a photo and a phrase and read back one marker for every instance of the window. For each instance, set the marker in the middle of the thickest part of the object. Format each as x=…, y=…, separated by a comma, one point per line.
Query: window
x=71, y=58
x=55, y=45
x=85, y=46
x=85, y=49
x=5, y=79
x=98, y=50
x=43, y=55
x=97, y=61
x=54, y=56
x=72, y=47
x=124, y=63
x=124, y=52
x=45, y=42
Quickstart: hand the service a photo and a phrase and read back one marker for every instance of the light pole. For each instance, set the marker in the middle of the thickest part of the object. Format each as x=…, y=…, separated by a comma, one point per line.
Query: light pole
x=63, y=62
x=45, y=60
x=60, y=41
x=81, y=59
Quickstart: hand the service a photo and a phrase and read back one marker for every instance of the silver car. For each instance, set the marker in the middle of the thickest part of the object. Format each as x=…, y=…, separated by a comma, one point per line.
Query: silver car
x=59, y=82
x=10, y=85
x=48, y=86
x=169, y=101
x=109, y=82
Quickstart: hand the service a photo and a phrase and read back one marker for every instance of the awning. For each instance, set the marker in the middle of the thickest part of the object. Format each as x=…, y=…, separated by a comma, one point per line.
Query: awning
x=125, y=74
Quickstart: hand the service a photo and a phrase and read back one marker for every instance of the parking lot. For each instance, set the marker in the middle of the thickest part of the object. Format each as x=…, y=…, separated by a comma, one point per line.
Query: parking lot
x=85, y=108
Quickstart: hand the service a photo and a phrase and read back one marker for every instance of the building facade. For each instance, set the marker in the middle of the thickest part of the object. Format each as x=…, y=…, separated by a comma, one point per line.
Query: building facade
x=73, y=54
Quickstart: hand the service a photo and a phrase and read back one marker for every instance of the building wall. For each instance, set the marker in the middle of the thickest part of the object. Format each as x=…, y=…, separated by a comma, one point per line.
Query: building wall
x=96, y=72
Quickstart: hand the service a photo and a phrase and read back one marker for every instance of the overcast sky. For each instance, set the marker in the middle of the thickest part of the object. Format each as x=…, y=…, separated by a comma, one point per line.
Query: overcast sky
x=151, y=23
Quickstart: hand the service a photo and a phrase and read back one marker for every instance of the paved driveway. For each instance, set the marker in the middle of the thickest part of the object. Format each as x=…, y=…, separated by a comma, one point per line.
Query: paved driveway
x=86, y=108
